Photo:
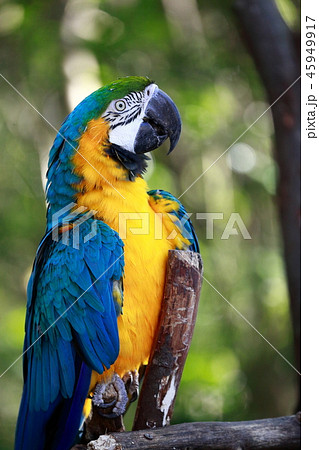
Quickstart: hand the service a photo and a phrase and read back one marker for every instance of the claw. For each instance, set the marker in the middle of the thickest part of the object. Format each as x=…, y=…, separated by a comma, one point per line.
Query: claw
x=131, y=381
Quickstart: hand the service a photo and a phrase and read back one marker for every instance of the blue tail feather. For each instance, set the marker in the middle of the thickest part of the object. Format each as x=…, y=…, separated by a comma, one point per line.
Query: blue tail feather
x=56, y=428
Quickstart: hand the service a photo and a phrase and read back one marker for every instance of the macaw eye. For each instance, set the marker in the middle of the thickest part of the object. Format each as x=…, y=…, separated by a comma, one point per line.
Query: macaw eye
x=120, y=105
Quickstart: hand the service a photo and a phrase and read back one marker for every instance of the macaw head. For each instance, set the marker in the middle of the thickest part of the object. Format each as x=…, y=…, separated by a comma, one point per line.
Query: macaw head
x=140, y=115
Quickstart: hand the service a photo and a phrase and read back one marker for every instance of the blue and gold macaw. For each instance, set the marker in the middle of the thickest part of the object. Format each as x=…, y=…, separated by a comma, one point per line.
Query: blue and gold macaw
x=94, y=298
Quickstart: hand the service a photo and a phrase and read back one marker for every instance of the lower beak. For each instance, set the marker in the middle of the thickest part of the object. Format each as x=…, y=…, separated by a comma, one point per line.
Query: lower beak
x=161, y=121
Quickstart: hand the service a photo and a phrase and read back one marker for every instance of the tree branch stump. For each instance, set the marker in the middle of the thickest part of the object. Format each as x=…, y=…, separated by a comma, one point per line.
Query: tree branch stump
x=174, y=335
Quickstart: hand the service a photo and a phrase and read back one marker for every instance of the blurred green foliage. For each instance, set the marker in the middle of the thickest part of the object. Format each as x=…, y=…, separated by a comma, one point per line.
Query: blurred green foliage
x=57, y=52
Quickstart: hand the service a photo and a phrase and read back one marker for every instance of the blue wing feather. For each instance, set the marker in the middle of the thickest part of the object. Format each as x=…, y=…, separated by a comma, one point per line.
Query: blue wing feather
x=71, y=326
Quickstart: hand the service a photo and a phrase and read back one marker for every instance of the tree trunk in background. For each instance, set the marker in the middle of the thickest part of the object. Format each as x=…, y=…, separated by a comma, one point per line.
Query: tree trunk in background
x=277, y=58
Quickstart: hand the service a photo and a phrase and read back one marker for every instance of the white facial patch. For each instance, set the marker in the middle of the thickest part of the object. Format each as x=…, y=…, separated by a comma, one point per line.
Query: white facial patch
x=124, y=135
x=125, y=116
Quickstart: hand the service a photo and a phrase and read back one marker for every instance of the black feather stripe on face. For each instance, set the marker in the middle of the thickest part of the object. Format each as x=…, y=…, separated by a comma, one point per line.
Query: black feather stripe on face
x=125, y=120
x=134, y=101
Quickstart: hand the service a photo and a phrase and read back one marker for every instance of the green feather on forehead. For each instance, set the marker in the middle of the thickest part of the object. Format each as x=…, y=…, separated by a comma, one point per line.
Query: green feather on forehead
x=123, y=86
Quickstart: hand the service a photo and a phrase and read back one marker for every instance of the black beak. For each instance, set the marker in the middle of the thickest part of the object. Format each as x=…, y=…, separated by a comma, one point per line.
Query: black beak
x=161, y=121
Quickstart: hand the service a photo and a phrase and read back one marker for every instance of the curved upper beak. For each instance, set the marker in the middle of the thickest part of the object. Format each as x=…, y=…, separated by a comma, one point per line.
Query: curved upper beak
x=161, y=121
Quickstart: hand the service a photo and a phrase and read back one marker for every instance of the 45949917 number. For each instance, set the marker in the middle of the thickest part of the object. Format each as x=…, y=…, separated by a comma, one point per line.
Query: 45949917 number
x=310, y=47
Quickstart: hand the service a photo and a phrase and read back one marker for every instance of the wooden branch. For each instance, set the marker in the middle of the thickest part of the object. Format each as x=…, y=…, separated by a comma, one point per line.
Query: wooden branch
x=281, y=433
x=175, y=331
x=277, y=58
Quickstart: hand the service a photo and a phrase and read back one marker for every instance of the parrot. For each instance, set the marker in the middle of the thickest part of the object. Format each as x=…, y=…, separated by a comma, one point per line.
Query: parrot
x=94, y=295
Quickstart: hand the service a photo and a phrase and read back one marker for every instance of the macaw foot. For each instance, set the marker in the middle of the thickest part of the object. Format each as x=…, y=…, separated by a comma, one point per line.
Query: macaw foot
x=109, y=402
x=111, y=398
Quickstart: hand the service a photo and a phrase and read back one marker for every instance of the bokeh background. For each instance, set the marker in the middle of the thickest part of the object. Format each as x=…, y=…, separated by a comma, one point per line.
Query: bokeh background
x=57, y=52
